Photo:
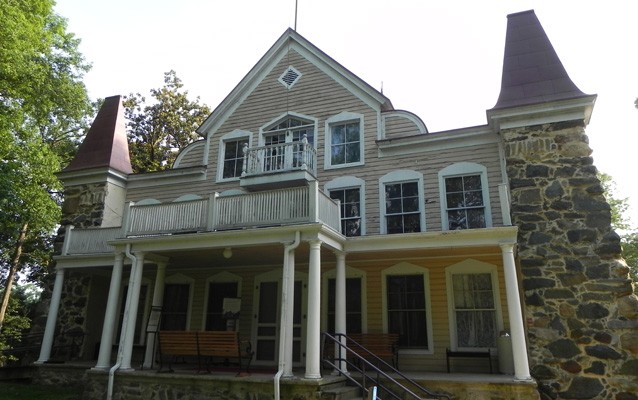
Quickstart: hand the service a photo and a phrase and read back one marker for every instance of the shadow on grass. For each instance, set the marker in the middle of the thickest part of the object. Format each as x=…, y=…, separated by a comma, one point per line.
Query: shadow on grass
x=27, y=391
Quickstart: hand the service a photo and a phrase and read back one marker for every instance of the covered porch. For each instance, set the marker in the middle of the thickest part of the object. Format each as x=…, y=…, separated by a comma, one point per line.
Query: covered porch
x=292, y=285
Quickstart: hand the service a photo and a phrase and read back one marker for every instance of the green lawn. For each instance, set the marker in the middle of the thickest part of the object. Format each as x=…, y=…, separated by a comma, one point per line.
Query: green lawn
x=24, y=391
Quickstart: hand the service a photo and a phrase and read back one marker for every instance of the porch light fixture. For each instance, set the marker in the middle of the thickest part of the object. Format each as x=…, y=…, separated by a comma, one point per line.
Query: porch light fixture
x=228, y=252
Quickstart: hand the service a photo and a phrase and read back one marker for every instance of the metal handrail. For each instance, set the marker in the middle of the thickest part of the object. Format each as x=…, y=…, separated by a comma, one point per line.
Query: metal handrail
x=361, y=364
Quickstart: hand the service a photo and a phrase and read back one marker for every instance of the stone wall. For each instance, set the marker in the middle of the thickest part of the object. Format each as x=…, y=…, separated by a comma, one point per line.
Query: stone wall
x=582, y=314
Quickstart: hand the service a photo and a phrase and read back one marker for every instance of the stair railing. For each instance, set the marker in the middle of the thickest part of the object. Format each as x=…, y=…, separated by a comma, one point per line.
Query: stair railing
x=373, y=373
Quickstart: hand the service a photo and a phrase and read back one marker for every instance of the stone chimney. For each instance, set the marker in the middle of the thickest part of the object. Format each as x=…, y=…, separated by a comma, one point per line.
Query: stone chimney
x=582, y=314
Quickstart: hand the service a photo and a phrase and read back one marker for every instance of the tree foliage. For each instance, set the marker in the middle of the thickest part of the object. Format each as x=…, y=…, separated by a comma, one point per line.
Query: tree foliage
x=158, y=131
x=43, y=108
x=622, y=224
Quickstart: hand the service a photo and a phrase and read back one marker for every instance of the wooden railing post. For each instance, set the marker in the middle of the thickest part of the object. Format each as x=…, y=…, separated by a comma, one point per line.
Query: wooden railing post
x=212, y=219
x=313, y=200
x=126, y=225
x=67, y=239
x=245, y=164
x=503, y=194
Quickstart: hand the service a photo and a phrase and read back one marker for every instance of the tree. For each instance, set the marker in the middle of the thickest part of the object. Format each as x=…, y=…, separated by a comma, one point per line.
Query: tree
x=158, y=131
x=43, y=107
x=620, y=223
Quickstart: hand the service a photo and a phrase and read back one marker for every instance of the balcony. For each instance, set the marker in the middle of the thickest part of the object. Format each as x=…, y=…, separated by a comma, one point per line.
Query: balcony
x=279, y=165
x=290, y=206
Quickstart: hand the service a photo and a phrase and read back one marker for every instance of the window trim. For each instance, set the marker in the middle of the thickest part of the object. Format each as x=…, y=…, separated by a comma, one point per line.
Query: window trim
x=222, y=277
x=466, y=267
x=350, y=273
x=464, y=169
x=341, y=118
x=350, y=182
x=404, y=268
x=400, y=176
x=235, y=135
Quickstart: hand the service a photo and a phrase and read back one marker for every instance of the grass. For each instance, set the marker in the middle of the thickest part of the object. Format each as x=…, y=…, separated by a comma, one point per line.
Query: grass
x=26, y=391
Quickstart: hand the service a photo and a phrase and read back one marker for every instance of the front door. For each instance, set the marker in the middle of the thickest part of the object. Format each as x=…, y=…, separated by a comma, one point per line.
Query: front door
x=267, y=317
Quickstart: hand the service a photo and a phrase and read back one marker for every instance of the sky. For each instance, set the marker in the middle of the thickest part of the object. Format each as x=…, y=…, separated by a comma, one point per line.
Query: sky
x=440, y=59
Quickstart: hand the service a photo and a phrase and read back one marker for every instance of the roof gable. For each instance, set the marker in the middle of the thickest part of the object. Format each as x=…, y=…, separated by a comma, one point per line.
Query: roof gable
x=292, y=41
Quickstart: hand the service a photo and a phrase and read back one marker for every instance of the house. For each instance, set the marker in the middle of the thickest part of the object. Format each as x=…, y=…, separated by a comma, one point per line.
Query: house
x=313, y=205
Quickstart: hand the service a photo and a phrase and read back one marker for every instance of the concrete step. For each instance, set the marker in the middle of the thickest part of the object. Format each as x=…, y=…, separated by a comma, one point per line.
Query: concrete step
x=342, y=393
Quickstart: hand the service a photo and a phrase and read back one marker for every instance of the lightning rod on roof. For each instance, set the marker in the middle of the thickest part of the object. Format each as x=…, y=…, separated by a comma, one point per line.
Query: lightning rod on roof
x=296, y=1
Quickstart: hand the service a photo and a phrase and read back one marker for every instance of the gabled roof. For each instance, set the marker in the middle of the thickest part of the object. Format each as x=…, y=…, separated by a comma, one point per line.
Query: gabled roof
x=292, y=40
x=105, y=145
x=532, y=71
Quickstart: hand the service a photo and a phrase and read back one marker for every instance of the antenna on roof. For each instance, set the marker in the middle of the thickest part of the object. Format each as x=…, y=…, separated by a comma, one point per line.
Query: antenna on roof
x=296, y=1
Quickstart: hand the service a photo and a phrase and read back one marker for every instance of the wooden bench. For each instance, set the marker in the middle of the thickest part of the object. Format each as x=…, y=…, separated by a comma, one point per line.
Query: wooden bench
x=382, y=345
x=468, y=354
x=203, y=345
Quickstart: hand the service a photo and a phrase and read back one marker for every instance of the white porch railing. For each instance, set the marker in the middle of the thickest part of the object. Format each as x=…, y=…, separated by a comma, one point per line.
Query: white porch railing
x=305, y=204
x=181, y=216
x=89, y=240
x=282, y=157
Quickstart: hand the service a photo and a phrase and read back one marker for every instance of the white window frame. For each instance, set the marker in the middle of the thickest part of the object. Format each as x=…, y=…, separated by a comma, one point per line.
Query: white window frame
x=235, y=135
x=181, y=279
x=341, y=118
x=465, y=267
x=464, y=169
x=222, y=277
x=350, y=273
x=264, y=129
x=350, y=182
x=400, y=176
x=405, y=268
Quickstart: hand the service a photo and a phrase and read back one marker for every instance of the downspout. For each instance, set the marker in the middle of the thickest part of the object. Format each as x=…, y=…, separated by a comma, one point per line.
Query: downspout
x=120, y=349
x=284, y=318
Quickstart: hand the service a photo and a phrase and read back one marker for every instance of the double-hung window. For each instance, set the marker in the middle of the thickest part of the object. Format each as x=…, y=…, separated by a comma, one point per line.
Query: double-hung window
x=464, y=197
x=344, y=140
x=475, y=317
x=231, y=154
x=406, y=298
x=233, y=158
x=464, y=201
x=401, y=202
x=350, y=210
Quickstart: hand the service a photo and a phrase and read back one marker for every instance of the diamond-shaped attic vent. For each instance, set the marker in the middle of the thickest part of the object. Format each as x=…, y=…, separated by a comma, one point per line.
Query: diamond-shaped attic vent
x=289, y=77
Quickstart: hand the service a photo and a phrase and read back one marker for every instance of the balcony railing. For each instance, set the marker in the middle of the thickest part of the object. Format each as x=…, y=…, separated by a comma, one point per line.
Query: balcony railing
x=305, y=204
x=284, y=157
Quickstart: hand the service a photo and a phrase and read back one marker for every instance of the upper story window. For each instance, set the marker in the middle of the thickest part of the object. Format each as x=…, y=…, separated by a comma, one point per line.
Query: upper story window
x=465, y=199
x=344, y=140
x=286, y=141
x=349, y=191
x=401, y=202
x=231, y=150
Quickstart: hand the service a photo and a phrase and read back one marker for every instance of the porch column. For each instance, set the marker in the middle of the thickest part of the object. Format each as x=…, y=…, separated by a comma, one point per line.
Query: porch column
x=519, y=349
x=110, y=315
x=313, y=337
x=49, y=330
x=340, y=307
x=289, y=280
x=158, y=301
x=130, y=312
